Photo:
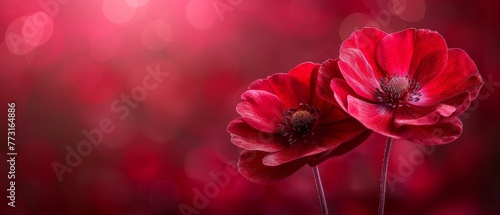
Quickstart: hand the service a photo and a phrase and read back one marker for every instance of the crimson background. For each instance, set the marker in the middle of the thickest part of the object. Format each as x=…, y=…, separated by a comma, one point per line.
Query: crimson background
x=93, y=52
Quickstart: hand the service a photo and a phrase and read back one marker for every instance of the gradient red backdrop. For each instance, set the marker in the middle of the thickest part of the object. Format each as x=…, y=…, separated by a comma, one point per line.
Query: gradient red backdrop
x=129, y=101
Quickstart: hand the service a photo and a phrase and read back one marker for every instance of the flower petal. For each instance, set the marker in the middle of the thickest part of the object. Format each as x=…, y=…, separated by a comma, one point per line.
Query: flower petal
x=261, y=84
x=250, y=165
x=292, y=88
x=461, y=102
x=430, y=54
x=304, y=74
x=366, y=40
x=341, y=90
x=358, y=73
x=331, y=113
x=297, y=150
x=327, y=72
x=260, y=109
x=337, y=132
x=351, y=144
x=289, y=89
x=376, y=117
x=342, y=148
x=413, y=118
x=247, y=137
x=437, y=134
x=395, y=52
x=460, y=75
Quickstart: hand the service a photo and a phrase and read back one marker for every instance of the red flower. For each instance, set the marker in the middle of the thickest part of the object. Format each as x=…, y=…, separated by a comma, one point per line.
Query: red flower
x=405, y=85
x=285, y=125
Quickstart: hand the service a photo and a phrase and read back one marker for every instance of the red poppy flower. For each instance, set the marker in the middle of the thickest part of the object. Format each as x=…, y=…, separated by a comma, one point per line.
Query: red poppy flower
x=405, y=85
x=285, y=125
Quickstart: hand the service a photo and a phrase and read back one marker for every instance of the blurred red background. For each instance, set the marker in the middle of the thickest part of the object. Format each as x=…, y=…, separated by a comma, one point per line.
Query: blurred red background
x=166, y=76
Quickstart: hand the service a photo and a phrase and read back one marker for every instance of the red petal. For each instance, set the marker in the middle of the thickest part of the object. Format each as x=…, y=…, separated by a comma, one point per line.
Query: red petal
x=293, y=88
x=284, y=87
x=460, y=75
x=460, y=101
x=261, y=109
x=314, y=99
x=342, y=90
x=343, y=148
x=395, y=52
x=261, y=84
x=440, y=133
x=366, y=40
x=251, y=166
x=338, y=132
x=327, y=72
x=290, y=90
x=331, y=113
x=351, y=144
x=358, y=73
x=297, y=150
x=376, y=117
x=247, y=137
x=304, y=74
x=430, y=54
x=413, y=118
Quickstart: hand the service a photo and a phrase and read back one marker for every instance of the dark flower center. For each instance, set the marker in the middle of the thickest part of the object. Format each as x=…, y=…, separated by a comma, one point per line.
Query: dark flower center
x=396, y=91
x=298, y=122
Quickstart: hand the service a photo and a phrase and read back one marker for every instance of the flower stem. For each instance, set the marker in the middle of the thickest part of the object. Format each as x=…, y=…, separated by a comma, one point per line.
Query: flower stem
x=383, y=177
x=321, y=191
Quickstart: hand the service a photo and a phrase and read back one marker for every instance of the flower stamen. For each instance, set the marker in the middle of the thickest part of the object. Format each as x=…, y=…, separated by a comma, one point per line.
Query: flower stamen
x=397, y=91
x=298, y=122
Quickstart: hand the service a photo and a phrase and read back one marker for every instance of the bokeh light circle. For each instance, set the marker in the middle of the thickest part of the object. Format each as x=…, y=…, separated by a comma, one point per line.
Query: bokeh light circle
x=38, y=28
x=137, y=3
x=354, y=22
x=156, y=35
x=118, y=11
x=14, y=40
x=414, y=11
x=26, y=33
x=201, y=13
